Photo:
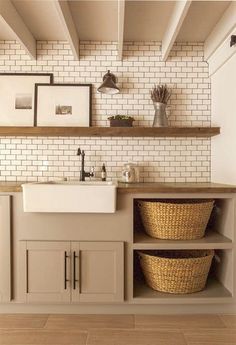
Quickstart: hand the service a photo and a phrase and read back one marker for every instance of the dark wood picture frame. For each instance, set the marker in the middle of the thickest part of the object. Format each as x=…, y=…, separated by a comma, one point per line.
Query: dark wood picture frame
x=9, y=117
x=62, y=85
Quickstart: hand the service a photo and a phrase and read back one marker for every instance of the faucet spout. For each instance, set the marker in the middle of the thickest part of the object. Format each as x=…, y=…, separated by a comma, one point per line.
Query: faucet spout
x=83, y=173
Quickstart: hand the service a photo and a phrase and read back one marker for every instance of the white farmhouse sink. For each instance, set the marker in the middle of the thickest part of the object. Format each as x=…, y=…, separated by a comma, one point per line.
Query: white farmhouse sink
x=71, y=196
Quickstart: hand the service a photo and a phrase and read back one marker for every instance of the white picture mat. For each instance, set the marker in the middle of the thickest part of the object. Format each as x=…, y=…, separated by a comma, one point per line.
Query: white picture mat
x=12, y=85
x=76, y=96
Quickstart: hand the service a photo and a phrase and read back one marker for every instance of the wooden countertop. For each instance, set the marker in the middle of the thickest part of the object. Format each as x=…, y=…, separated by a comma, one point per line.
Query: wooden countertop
x=176, y=188
x=11, y=187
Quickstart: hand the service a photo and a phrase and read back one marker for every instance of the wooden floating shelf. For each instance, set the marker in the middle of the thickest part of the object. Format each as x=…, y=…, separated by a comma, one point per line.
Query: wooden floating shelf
x=212, y=240
x=111, y=131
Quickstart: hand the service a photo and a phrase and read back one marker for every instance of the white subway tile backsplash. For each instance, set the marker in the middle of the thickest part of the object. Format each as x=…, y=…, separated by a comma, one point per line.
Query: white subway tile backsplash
x=160, y=159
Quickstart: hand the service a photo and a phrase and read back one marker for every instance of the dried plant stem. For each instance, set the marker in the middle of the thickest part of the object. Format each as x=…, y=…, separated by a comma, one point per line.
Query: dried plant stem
x=160, y=93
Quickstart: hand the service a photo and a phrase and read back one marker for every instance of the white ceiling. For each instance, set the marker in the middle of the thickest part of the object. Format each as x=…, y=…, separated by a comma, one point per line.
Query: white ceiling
x=114, y=20
x=146, y=20
x=98, y=20
x=41, y=18
x=95, y=20
x=200, y=20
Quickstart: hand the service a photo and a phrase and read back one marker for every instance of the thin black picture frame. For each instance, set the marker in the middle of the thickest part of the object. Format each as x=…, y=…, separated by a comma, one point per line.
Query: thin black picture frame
x=61, y=85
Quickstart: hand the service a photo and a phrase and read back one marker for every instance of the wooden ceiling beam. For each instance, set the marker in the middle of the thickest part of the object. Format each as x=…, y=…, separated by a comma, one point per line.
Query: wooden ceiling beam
x=68, y=25
x=176, y=20
x=121, y=21
x=11, y=18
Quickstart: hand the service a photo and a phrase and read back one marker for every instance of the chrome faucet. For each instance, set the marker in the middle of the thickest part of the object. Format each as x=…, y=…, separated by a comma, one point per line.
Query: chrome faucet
x=83, y=173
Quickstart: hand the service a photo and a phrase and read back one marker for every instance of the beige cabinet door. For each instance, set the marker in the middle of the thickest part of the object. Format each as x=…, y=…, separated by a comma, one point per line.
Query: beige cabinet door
x=46, y=267
x=5, y=249
x=98, y=271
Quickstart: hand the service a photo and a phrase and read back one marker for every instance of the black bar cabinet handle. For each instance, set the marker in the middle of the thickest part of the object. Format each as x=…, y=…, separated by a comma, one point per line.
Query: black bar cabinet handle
x=74, y=270
x=65, y=270
x=27, y=271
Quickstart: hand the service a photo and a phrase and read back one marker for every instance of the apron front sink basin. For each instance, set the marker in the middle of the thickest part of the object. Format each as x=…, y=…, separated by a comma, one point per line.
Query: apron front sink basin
x=71, y=196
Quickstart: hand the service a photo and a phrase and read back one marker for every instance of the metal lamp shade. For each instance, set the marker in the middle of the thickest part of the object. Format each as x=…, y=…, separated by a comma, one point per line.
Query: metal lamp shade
x=109, y=84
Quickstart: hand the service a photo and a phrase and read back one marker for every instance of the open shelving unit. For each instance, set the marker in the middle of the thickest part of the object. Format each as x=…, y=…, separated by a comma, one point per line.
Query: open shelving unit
x=111, y=131
x=219, y=236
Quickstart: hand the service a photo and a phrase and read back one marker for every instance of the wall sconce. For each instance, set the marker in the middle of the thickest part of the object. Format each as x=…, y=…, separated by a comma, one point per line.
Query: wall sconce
x=109, y=84
x=232, y=40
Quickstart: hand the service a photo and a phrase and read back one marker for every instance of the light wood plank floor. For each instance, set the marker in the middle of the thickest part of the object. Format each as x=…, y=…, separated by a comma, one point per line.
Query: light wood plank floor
x=28, y=329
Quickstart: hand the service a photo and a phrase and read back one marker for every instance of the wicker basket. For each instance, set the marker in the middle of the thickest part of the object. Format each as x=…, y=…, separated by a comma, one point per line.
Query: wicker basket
x=176, y=219
x=178, y=271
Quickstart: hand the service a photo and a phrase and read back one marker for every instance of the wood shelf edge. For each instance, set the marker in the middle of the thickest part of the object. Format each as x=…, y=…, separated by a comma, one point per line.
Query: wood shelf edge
x=212, y=240
x=111, y=131
x=214, y=292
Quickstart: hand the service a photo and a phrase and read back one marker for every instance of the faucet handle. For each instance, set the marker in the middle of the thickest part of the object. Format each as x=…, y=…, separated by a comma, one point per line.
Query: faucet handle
x=80, y=152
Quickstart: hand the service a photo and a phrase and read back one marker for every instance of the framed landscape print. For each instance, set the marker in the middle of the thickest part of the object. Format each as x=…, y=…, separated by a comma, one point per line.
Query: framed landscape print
x=17, y=99
x=63, y=105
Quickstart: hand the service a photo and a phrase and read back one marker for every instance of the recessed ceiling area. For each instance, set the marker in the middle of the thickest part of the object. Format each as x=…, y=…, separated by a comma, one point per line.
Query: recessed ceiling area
x=108, y=20
x=200, y=20
x=95, y=20
x=41, y=19
x=146, y=20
